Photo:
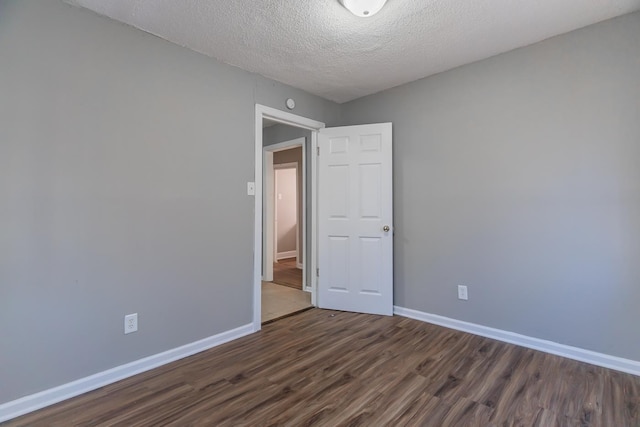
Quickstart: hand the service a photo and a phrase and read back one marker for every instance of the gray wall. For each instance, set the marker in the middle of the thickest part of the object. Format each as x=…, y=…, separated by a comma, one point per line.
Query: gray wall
x=117, y=194
x=519, y=176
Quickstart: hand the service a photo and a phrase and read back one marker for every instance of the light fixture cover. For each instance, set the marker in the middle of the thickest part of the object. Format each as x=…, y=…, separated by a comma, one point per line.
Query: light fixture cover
x=363, y=8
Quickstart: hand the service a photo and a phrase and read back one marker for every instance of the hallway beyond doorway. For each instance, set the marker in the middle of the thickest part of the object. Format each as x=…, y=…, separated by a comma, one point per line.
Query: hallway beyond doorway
x=286, y=273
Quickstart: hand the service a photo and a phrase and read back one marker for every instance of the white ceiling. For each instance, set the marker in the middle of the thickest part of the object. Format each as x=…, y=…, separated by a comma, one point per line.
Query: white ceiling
x=322, y=48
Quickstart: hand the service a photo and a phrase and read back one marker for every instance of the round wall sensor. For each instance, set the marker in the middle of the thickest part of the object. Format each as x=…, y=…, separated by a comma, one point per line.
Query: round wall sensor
x=291, y=104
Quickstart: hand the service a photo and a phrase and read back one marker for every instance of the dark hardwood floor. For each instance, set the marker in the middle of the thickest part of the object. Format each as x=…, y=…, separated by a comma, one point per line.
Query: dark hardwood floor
x=286, y=273
x=327, y=368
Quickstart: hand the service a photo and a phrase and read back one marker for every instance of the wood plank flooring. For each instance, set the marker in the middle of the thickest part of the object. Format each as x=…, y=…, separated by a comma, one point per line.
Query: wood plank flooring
x=286, y=273
x=326, y=368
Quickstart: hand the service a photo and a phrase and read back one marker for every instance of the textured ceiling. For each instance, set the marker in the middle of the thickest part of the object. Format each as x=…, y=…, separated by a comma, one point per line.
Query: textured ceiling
x=322, y=48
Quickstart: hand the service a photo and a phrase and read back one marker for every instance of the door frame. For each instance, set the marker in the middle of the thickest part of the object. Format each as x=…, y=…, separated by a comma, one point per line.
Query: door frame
x=289, y=119
x=268, y=213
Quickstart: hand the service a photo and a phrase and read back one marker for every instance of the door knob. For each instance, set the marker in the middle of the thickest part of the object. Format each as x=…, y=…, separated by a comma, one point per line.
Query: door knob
x=386, y=228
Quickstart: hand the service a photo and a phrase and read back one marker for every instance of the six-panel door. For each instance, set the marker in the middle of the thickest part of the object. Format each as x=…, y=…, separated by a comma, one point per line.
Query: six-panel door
x=355, y=253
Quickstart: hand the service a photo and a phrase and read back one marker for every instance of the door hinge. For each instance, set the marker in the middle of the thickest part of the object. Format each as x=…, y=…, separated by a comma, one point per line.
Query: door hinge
x=317, y=272
x=318, y=150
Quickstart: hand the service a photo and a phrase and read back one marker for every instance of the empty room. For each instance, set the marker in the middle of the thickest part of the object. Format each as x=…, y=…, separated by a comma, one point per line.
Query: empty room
x=465, y=233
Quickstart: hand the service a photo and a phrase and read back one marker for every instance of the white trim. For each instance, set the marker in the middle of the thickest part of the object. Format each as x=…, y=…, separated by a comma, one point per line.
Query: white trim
x=286, y=118
x=575, y=353
x=289, y=119
x=313, y=264
x=291, y=165
x=286, y=145
x=301, y=262
x=54, y=395
x=268, y=223
x=257, y=225
x=284, y=255
x=299, y=267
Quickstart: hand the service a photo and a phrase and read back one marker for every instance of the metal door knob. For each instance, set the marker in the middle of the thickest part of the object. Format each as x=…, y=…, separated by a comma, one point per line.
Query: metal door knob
x=386, y=228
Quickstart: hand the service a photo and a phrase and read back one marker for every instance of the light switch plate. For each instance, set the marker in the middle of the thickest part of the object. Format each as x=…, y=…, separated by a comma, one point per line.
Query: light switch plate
x=251, y=188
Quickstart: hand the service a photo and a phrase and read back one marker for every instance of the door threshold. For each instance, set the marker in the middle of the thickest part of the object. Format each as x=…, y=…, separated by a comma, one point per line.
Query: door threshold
x=293, y=313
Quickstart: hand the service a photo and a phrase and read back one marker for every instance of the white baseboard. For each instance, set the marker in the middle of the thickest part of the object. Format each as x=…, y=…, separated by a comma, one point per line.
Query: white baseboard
x=299, y=265
x=288, y=254
x=575, y=353
x=36, y=401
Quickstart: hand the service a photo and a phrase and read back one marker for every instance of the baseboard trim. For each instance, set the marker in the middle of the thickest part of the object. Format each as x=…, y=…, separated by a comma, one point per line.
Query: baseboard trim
x=284, y=255
x=24, y=405
x=575, y=353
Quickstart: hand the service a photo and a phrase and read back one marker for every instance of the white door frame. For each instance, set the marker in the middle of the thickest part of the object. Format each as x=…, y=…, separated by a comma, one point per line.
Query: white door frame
x=289, y=119
x=268, y=213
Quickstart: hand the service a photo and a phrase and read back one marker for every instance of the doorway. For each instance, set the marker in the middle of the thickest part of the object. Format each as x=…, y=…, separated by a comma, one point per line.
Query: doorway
x=351, y=225
x=280, y=157
x=284, y=222
x=287, y=268
x=309, y=245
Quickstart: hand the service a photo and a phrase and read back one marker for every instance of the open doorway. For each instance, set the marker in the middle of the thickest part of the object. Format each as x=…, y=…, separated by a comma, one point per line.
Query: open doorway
x=265, y=115
x=283, y=288
x=287, y=268
x=357, y=157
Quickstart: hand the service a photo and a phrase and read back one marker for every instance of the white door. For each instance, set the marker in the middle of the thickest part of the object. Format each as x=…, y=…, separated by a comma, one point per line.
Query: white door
x=355, y=219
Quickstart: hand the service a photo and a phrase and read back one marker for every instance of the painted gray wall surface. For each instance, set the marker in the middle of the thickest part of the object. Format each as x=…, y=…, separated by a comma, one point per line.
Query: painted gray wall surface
x=294, y=155
x=282, y=133
x=519, y=176
x=117, y=194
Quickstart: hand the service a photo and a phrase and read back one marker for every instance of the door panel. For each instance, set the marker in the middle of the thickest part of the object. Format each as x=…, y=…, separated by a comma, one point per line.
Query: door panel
x=338, y=199
x=355, y=255
x=338, y=263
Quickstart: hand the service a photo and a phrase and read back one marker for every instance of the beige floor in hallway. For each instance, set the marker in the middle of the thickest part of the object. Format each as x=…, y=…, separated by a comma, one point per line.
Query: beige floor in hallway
x=278, y=301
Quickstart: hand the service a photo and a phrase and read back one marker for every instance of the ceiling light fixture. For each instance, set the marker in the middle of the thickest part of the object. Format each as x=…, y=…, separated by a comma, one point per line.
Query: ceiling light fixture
x=363, y=8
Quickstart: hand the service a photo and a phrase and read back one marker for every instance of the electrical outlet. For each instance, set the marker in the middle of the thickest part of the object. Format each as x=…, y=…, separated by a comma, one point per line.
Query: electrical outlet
x=462, y=292
x=130, y=323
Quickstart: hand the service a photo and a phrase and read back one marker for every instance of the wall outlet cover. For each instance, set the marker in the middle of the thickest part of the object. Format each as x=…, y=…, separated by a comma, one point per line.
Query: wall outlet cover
x=130, y=323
